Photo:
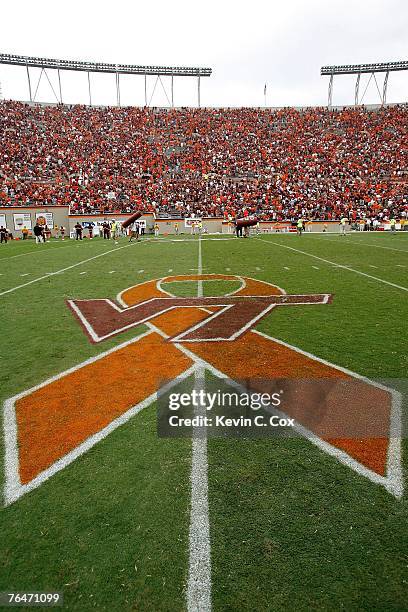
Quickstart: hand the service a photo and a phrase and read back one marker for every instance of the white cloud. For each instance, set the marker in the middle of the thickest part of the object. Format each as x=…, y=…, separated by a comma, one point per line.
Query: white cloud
x=246, y=44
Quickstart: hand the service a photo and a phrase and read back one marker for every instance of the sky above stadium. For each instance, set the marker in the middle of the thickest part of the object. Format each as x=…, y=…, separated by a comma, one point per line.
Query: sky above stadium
x=281, y=44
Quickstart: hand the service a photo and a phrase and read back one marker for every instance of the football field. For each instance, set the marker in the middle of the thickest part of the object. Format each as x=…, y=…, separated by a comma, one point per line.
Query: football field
x=96, y=505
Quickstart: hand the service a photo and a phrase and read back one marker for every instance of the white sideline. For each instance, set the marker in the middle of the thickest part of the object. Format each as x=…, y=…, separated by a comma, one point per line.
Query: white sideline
x=199, y=570
x=79, y=263
x=333, y=263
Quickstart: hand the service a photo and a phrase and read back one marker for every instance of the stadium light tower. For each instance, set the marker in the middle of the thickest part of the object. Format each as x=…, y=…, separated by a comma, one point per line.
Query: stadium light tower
x=116, y=69
x=360, y=69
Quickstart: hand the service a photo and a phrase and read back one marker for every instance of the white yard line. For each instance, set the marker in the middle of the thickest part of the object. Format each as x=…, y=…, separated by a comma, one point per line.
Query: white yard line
x=200, y=269
x=199, y=574
x=79, y=263
x=333, y=263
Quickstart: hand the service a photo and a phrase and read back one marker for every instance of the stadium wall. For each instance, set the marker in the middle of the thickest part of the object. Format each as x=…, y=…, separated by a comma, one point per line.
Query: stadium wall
x=73, y=219
x=16, y=217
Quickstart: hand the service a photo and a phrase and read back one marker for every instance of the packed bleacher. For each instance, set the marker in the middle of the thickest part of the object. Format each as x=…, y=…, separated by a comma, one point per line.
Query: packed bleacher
x=278, y=164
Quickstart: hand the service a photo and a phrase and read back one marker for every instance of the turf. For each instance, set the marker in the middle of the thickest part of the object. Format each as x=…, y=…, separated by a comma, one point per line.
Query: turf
x=291, y=529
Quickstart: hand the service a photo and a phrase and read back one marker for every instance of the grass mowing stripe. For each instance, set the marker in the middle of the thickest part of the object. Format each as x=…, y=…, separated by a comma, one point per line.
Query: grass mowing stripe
x=199, y=579
x=375, y=246
x=333, y=263
x=36, y=280
x=38, y=251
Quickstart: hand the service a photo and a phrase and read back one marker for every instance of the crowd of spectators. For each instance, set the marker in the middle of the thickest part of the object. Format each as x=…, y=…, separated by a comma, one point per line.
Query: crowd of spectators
x=277, y=164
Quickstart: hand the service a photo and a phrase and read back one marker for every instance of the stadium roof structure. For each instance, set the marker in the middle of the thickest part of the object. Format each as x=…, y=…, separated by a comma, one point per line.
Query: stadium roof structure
x=117, y=69
x=360, y=69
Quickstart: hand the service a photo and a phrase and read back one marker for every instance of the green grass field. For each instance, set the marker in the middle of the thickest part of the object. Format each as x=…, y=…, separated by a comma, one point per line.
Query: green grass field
x=291, y=528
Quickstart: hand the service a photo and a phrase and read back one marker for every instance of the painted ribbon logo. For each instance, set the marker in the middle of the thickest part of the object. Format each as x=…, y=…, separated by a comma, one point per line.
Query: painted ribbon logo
x=50, y=425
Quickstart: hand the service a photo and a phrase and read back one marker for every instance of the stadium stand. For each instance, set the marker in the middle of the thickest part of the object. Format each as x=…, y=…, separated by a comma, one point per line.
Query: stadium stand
x=278, y=164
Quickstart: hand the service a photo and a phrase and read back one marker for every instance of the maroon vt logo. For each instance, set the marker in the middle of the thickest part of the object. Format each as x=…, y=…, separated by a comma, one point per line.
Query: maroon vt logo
x=233, y=315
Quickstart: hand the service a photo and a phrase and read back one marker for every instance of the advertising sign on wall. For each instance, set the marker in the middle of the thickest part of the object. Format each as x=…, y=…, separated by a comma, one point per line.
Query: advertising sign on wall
x=22, y=220
x=45, y=218
x=188, y=222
